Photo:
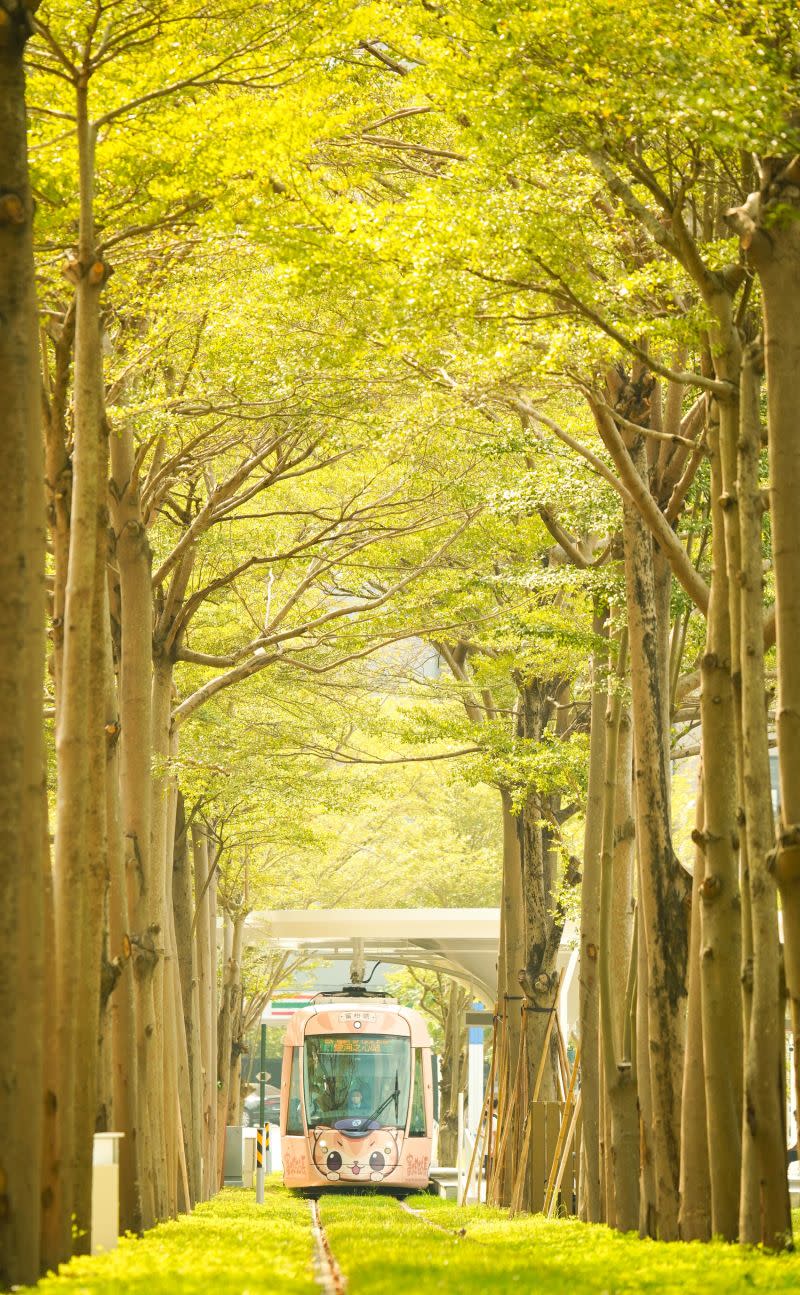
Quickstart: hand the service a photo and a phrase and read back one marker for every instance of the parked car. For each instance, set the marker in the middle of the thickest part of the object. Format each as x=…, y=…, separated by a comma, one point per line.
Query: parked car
x=250, y=1109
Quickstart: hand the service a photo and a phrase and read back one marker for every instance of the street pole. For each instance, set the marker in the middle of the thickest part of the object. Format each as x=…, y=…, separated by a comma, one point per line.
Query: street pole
x=262, y=1075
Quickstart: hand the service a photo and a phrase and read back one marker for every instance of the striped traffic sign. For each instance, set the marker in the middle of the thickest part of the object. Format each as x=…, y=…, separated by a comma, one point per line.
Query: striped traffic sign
x=281, y=1009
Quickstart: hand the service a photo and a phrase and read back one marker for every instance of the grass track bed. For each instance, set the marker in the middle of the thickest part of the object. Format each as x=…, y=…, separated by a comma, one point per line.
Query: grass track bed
x=229, y=1246
x=382, y=1250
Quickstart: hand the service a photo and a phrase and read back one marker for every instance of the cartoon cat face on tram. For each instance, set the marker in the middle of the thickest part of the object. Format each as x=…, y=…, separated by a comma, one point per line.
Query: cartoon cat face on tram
x=368, y=1159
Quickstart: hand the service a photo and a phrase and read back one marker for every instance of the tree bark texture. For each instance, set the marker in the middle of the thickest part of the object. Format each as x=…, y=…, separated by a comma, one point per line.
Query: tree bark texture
x=662, y=891
x=87, y=1025
x=764, y=1217
x=771, y=235
x=58, y=479
x=514, y=929
x=144, y=883
x=80, y=739
x=122, y=1006
x=544, y=923
x=720, y=902
x=453, y=1070
x=622, y=1148
x=695, y=1215
x=206, y=976
x=228, y=1008
x=624, y=870
x=22, y=650
x=589, y=1008
x=641, y=1051
x=165, y=1101
x=216, y=1167
x=187, y=967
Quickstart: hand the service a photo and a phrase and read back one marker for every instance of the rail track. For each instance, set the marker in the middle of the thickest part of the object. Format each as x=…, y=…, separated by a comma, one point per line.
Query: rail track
x=328, y=1273
x=418, y=1214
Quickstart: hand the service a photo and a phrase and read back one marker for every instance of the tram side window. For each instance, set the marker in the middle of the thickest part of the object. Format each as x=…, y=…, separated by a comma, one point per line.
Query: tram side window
x=417, y=1127
x=294, y=1116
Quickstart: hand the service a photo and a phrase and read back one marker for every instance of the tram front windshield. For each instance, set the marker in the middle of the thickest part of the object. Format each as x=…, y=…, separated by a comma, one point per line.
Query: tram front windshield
x=357, y=1077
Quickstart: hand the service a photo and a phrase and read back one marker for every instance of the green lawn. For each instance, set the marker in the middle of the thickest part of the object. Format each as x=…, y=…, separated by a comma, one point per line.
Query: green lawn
x=384, y=1251
x=231, y=1246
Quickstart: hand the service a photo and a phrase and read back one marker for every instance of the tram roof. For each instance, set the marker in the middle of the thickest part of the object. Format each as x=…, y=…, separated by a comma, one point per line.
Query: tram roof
x=338, y=1013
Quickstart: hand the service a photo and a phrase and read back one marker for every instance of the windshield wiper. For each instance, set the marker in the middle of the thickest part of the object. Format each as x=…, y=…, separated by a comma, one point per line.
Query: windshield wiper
x=393, y=1097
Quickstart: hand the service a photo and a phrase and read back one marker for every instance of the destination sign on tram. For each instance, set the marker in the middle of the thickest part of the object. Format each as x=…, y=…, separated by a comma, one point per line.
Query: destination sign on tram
x=347, y=1043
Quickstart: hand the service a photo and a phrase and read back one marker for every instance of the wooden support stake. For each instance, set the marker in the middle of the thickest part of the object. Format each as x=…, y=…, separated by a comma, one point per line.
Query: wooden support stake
x=485, y=1109
x=562, y=1059
x=502, y=1096
x=549, y=1193
x=504, y=1128
x=516, y=1194
x=567, y=1150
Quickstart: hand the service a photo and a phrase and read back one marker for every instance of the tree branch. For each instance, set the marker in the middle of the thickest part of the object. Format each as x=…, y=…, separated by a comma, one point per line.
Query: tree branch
x=683, y=570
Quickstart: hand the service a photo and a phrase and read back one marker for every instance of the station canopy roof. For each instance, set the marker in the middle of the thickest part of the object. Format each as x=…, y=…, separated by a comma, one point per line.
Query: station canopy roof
x=459, y=942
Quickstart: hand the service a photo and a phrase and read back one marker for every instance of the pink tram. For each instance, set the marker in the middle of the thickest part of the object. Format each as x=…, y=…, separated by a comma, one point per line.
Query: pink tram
x=358, y=1099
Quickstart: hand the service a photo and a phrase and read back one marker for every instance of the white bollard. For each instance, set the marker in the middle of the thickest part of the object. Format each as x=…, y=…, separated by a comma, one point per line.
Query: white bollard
x=475, y=1083
x=275, y=1162
x=460, y=1147
x=105, y=1191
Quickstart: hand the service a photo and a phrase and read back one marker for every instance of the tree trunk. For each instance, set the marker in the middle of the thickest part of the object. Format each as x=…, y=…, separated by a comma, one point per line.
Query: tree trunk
x=662, y=890
x=720, y=904
x=50, y=1196
x=452, y=1072
x=144, y=885
x=695, y=1215
x=235, y=1086
x=619, y=1072
x=183, y=1086
x=22, y=652
x=641, y=1050
x=215, y=979
x=771, y=234
x=187, y=967
x=58, y=480
x=122, y=1006
x=231, y=992
x=624, y=870
x=206, y=975
x=589, y=1007
x=608, y=1204
x=765, y=1216
x=514, y=932
x=87, y=1025
x=623, y=1095
x=539, y=879
x=80, y=740
x=161, y=839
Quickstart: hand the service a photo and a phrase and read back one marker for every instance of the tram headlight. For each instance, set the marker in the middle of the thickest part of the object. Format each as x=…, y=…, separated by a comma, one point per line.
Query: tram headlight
x=324, y=1145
